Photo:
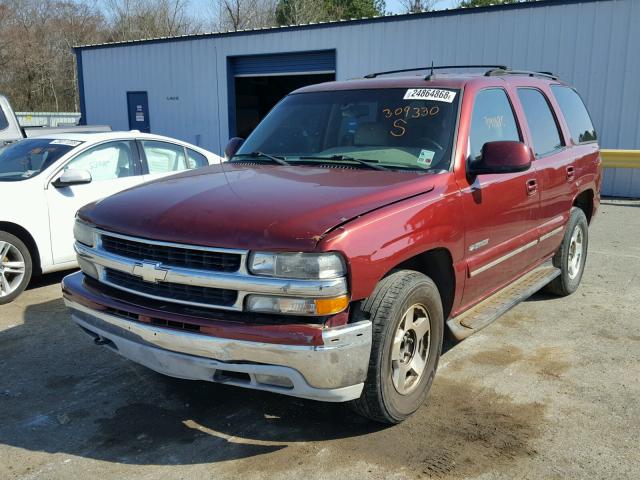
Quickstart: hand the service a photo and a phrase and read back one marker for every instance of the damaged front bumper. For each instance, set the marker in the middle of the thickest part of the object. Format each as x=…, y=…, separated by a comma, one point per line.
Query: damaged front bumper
x=334, y=371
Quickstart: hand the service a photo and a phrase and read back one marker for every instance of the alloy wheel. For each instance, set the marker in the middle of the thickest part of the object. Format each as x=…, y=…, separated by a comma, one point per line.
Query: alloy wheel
x=12, y=268
x=576, y=251
x=410, y=349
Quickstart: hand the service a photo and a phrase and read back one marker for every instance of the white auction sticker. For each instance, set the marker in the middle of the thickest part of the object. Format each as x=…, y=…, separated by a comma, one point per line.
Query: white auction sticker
x=69, y=143
x=435, y=94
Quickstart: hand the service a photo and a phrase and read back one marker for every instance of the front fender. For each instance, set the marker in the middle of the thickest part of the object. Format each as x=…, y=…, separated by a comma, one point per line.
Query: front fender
x=376, y=243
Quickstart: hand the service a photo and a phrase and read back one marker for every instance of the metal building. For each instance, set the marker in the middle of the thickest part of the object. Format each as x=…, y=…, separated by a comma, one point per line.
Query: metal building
x=207, y=88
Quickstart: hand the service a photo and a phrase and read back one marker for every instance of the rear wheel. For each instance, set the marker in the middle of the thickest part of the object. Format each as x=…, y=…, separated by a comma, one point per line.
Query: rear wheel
x=15, y=267
x=572, y=255
x=406, y=312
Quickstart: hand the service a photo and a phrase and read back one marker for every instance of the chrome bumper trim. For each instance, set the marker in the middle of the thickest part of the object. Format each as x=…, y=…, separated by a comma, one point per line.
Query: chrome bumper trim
x=335, y=371
x=240, y=281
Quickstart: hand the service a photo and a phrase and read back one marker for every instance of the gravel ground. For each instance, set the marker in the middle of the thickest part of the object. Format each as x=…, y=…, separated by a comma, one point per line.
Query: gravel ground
x=548, y=391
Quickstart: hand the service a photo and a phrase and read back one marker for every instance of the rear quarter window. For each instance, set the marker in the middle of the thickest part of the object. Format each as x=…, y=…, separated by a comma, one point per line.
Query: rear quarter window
x=195, y=159
x=3, y=121
x=575, y=113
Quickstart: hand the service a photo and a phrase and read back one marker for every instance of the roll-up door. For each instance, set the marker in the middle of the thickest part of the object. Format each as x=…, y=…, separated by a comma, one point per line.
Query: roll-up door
x=258, y=82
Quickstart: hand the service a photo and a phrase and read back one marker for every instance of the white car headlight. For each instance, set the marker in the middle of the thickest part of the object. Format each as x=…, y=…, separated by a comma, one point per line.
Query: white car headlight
x=297, y=265
x=84, y=233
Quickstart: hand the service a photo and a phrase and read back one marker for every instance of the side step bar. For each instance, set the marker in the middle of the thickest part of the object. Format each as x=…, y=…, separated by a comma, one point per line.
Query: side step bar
x=489, y=310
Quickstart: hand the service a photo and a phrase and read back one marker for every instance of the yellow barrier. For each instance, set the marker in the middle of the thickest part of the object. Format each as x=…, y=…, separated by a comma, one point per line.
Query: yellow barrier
x=620, y=158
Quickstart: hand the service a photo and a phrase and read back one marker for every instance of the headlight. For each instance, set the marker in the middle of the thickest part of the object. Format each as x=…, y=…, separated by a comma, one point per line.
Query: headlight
x=297, y=306
x=83, y=233
x=297, y=265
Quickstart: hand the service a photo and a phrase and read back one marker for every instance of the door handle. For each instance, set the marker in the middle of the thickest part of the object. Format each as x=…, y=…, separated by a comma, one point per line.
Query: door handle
x=532, y=187
x=571, y=172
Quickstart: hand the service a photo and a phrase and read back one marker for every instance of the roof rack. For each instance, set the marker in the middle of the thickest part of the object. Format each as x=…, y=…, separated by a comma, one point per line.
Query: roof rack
x=505, y=71
x=440, y=67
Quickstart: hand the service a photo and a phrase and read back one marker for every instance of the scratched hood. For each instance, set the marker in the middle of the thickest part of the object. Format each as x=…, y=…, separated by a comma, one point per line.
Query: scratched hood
x=235, y=206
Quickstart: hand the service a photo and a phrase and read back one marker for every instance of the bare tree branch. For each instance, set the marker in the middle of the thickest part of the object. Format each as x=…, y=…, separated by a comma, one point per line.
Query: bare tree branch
x=415, y=6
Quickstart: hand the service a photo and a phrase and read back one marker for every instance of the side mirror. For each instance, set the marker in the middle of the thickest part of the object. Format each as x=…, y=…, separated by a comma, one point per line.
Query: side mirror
x=501, y=157
x=232, y=147
x=72, y=177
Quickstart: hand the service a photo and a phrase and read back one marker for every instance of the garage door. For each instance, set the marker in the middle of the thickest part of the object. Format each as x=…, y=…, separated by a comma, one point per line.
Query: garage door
x=257, y=82
x=284, y=64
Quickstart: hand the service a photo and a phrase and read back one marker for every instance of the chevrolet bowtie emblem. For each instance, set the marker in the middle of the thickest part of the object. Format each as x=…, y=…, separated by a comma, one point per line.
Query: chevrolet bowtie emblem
x=150, y=272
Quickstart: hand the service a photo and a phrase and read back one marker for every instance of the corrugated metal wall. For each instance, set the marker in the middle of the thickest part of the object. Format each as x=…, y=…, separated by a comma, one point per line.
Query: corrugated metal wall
x=594, y=45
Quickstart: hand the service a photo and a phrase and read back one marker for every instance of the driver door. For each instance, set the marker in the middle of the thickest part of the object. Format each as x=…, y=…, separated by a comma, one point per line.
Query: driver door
x=114, y=166
x=500, y=209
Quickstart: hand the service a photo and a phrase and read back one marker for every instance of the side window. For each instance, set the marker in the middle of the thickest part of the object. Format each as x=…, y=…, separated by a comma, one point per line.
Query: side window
x=3, y=120
x=195, y=159
x=575, y=113
x=492, y=120
x=106, y=162
x=164, y=157
x=542, y=124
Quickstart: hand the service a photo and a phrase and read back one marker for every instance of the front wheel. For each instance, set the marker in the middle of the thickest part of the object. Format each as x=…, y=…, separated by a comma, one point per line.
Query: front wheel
x=572, y=255
x=407, y=318
x=15, y=267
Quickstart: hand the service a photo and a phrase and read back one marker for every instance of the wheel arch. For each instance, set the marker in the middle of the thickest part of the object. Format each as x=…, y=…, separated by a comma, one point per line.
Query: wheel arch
x=584, y=201
x=27, y=239
x=437, y=264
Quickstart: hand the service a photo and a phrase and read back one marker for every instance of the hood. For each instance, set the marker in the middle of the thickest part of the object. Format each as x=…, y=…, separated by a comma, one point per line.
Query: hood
x=236, y=206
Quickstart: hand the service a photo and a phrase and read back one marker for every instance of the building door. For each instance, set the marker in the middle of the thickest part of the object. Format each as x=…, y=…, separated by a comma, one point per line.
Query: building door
x=138, y=105
x=258, y=82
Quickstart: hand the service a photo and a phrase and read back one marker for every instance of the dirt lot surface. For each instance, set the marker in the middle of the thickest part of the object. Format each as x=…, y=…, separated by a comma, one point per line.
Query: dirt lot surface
x=551, y=390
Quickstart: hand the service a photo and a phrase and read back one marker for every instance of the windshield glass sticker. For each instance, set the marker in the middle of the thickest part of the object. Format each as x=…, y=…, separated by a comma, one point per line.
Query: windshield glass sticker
x=69, y=143
x=434, y=94
x=495, y=123
x=426, y=158
x=411, y=112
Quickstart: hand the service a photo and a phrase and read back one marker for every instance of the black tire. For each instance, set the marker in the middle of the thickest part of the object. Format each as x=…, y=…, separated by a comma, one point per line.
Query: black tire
x=380, y=400
x=7, y=238
x=569, y=279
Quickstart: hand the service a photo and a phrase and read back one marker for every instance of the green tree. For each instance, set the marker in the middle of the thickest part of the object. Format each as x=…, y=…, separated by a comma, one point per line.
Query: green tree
x=341, y=9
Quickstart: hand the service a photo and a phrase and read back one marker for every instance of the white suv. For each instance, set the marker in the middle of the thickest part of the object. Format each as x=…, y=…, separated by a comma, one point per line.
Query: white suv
x=44, y=181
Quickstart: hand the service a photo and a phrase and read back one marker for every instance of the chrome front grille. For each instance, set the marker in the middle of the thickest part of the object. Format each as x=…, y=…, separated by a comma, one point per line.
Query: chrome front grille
x=192, y=294
x=172, y=256
x=186, y=274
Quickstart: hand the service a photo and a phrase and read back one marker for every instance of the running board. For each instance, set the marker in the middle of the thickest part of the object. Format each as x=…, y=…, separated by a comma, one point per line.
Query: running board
x=487, y=311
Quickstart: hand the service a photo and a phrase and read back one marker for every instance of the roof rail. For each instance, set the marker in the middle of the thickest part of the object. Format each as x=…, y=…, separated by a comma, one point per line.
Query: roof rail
x=505, y=71
x=432, y=68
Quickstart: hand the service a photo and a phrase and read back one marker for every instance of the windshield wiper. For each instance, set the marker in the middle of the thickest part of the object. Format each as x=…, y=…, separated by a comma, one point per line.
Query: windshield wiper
x=273, y=158
x=341, y=158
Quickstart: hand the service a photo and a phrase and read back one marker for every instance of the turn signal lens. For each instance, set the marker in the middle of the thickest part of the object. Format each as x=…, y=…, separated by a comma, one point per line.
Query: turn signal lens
x=329, y=306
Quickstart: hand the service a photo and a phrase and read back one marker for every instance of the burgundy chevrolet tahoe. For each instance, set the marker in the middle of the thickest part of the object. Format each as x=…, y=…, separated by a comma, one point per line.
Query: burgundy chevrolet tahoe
x=359, y=220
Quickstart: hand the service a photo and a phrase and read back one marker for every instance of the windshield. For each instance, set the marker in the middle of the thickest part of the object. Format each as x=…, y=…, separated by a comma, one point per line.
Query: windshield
x=392, y=128
x=27, y=158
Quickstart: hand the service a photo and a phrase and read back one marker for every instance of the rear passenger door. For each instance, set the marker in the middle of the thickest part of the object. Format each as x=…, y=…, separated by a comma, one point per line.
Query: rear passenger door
x=554, y=165
x=164, y=158
x=499, y=209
